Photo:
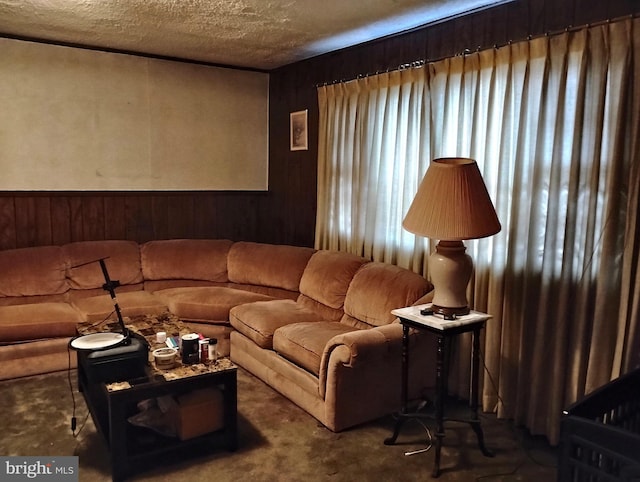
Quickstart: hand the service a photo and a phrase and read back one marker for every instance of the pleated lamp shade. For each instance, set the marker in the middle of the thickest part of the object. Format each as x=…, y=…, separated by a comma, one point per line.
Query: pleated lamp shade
x=452, y=203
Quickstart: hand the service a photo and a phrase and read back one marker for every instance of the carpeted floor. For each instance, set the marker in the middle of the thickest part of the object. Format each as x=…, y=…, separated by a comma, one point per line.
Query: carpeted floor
x=277, y=442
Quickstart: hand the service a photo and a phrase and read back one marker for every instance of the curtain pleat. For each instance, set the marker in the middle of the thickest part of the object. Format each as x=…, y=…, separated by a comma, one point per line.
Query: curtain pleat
x=628, y=353
x=554, y=124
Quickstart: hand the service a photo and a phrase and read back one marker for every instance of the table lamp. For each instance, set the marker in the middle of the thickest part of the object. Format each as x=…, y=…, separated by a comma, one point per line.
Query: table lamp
x=452, y=204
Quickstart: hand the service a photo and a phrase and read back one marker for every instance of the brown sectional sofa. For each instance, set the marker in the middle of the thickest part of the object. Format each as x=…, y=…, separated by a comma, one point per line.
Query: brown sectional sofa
x=314, y=325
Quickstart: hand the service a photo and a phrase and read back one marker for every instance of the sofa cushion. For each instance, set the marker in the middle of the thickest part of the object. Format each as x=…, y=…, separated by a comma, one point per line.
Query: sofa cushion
x=33, y=272
x=187, y=259
x=122, y=262
x=28, y=300
x=304, y=343
x=277, y=293
x=258, y=321
x=37, y=321
x=164, y=284
x=134, y=303
x=93, y=292
x=206, y=303
x=279, y=266
x=327, y=277
x=376, y=289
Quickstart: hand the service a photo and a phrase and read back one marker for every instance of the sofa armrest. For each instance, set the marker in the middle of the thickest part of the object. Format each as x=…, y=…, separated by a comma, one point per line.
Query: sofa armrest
x=361, y=372
x=362, y=345
x=374, y=350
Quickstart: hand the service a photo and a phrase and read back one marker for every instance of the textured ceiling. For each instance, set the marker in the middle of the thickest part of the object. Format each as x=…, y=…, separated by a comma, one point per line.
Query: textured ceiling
x=260, y=34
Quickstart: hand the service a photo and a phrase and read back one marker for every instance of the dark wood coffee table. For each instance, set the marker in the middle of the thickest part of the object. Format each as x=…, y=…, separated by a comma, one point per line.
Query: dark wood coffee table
x=132, y=448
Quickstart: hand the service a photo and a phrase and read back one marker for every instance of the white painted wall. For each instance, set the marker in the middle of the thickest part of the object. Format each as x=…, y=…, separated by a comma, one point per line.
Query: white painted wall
x=76, y=119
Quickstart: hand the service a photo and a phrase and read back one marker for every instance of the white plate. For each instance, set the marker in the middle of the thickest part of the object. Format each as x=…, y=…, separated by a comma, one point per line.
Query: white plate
x=96, y=341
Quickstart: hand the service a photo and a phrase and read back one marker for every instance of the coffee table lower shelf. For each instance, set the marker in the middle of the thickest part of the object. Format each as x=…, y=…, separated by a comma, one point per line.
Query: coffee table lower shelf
x=134, y=449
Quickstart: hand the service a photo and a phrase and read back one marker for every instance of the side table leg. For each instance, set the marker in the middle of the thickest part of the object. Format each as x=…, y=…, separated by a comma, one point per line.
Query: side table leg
x=117, y=439
x=477, y=428
x=440, y=394
x=396, y=430
x=475, y=372
x=404, y=377
x=231, y=412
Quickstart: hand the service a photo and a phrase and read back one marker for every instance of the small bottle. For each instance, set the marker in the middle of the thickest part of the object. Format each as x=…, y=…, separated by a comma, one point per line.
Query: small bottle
x=204, y=351
x=213, y=350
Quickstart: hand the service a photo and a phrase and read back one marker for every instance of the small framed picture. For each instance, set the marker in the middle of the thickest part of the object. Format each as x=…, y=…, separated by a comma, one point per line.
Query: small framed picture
x=298, y=131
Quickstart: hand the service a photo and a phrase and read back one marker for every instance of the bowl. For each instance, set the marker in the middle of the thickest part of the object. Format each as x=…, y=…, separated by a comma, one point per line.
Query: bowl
x=165, y=357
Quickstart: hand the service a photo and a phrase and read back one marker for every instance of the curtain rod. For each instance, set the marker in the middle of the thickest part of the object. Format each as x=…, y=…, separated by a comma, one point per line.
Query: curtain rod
x=467, y=51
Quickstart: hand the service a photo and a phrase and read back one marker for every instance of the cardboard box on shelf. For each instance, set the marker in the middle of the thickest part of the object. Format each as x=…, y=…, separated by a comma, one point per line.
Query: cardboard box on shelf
x=199, y=412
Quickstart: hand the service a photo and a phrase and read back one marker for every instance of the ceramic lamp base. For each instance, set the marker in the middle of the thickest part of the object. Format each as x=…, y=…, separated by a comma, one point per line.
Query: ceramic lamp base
x=450, y=268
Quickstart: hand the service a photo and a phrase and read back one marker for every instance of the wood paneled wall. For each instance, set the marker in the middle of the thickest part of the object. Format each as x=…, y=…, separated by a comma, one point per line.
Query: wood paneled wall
x=58, y=218
x=285, y=214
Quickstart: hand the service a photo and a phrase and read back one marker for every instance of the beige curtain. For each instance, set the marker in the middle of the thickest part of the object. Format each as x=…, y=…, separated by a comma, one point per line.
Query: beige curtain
x=374, y=140
x=554, y=124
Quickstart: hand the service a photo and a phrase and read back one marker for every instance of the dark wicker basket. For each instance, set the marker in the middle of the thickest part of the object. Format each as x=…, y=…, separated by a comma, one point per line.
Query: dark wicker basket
x=600, y=434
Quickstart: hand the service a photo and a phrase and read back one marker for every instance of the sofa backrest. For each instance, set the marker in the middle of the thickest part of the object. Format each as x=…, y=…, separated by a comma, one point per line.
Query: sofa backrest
x=38, y=271
x=267, y=265
x=325, y=281
x=165, y=262
x=376, y=289
x=122, y=259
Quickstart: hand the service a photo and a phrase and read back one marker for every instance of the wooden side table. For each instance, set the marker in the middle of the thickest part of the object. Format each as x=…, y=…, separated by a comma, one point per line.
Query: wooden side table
x=445, y=330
